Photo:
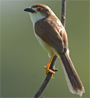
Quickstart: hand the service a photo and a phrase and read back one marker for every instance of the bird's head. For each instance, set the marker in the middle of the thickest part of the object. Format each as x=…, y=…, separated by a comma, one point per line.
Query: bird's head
x=38, y=12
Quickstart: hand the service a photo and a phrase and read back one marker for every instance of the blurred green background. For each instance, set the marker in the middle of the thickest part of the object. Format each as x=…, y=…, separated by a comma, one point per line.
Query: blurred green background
x=22, y=58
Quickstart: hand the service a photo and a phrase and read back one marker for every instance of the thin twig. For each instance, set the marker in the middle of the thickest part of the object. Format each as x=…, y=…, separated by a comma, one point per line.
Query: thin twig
x=63, y=13
x=48, y=77
x=52, y=65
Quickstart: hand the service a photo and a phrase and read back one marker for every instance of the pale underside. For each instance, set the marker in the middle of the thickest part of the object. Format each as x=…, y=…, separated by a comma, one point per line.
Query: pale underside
x=51, y=51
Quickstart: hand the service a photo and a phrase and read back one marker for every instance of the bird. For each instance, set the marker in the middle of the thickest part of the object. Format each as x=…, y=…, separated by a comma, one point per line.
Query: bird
x=52, y=36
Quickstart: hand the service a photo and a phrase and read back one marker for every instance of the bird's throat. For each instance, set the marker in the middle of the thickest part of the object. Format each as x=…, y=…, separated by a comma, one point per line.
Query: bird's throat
x=36, y=17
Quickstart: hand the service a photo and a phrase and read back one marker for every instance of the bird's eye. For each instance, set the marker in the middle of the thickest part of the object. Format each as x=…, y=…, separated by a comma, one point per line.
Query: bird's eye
x=39, y=9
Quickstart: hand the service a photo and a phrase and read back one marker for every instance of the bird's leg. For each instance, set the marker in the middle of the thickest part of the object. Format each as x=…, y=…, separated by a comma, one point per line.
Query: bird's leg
x=48, y=65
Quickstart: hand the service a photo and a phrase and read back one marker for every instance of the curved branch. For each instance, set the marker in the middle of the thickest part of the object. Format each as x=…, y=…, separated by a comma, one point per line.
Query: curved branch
x=48, y=77
x=52, y=65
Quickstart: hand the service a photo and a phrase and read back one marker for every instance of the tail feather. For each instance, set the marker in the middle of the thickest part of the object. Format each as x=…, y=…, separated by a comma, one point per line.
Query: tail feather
x=72, y=78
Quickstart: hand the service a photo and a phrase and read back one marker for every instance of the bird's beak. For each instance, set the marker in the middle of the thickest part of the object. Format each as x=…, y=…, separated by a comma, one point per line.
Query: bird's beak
x=29, y=10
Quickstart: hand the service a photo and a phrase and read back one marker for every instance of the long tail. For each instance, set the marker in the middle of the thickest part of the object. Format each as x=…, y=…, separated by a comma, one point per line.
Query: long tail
x=72, y=78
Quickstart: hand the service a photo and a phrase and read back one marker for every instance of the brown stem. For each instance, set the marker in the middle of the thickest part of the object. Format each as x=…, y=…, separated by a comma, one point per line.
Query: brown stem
x=48, y=77
x=63, y=13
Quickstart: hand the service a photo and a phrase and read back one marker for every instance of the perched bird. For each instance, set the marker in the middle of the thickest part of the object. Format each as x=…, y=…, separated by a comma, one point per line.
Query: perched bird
x=53, y=38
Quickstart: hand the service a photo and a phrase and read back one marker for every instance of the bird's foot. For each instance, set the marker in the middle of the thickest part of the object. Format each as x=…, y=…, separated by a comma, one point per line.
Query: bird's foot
x=47, y=67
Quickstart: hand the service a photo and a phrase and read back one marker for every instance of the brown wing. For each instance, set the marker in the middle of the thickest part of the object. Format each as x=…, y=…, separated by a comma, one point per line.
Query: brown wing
x=50, y=33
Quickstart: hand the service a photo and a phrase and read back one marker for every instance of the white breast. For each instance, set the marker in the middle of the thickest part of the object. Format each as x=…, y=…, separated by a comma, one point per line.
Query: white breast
x=47, y=47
